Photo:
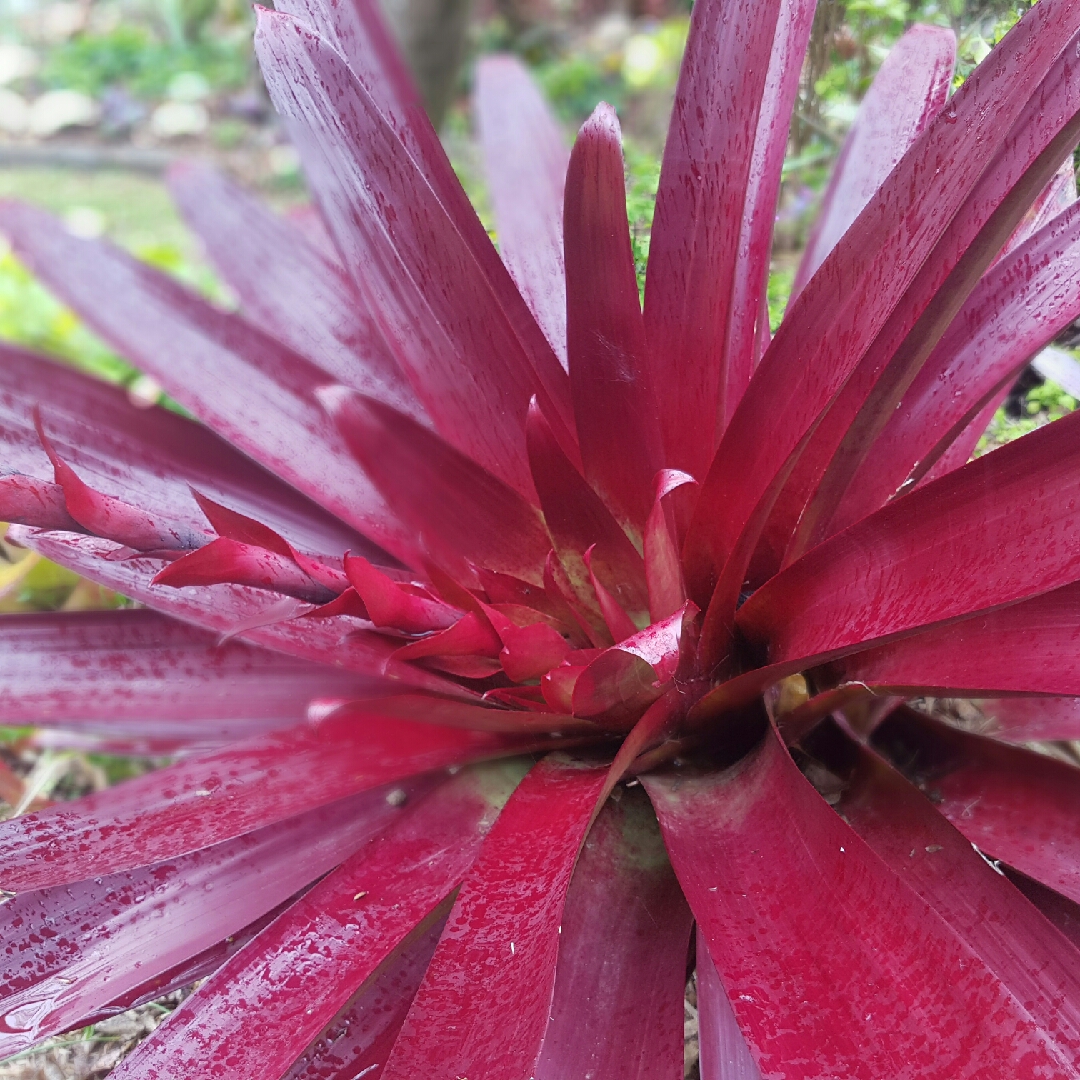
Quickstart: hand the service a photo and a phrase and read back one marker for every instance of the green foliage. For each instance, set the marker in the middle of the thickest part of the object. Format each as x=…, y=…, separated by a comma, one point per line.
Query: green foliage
x=781, y=279
x=977, y=41
x=642, y=179
x=46, y=586
x=575, y=83
x=646, y=61
x=1050, y=399
x=31, y=317
x=132, y=57
x=1042, y=405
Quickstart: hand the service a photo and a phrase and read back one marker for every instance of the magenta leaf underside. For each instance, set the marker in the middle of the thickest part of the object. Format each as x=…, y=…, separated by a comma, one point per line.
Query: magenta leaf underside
x=522, y=649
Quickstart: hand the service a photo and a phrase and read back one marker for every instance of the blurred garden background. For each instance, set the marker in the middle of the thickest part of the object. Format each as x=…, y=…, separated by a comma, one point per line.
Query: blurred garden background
x=98, y=97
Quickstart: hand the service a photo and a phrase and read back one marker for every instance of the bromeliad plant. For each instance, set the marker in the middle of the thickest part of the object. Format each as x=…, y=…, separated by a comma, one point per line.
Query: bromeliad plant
x=527, y=591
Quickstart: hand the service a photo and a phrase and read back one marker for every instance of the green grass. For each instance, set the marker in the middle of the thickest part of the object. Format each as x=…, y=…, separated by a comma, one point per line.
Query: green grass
x=133, y=57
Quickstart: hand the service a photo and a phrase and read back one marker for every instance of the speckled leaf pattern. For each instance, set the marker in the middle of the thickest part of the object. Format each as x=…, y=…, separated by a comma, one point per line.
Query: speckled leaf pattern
x=433, y=301
x=622, y=955
x=213, y=797
x=832, y=964
x=96, y=669
x=911, y=85
x=297, y=295
x=501, y=940
x=525, y=159
x=1030, y=647
x=332, y=941
x=148, y=457
x=872, y=268
x=996, y=531
x=162, y=914
x=1016, y=805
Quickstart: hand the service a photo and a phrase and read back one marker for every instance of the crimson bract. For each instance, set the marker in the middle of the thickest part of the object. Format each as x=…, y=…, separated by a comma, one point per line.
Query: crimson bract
x=562, y=634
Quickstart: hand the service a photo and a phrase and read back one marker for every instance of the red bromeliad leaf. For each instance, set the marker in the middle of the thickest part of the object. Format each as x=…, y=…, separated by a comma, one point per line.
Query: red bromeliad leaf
x=1043, y=137
x=1023, y=950
x=694, y=249
x=228, y=523
x=963, y=447
x=557, y=584
x=1058, y=195
x=1019, y=719
x=162, y=915
x=225, y=560
x=187, y=971
x=872, y=268
x=246, y=1022
x=359, y=1040
x=909, y=88
x=306, y=218
x=239, y=527
x=358, y=31
x=618, y=621
x=252, y=390
x=1015, y=805
x=528, y=651
x=106, y=515
x=94, y=668
x=622, y=956
x=748, y=330
x=828, y=958
x=494, y=633
x=557, y=686
x=1054, y=199
x=213, y=797
x=25, y=500
x=460, y=510
x=1017, y=308
x=620, y=446
x=994, y=532
x=287, y=286
x=663, y=570
x=502, y=937
x=723, y=1052
x=1063, y=913
x=578, y=521
x=148, y=457
x=233, y=609
x=388, y=604
x=632, y=673
x=436, y=304
x=796, y=723
x=1027, y=648
x=525, y=163
x=461, y=714
x=471, y=635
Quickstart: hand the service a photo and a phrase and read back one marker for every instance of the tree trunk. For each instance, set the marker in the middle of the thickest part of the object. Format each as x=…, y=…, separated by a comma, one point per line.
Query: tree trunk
x=431, y=34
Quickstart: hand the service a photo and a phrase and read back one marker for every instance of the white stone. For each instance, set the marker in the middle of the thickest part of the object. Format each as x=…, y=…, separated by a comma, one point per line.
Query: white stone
x=179, y=119
x=16, y=62
x=85, y=222
x=144, y=392
x=63, y=20
x=14, y=112
x=59, y=109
